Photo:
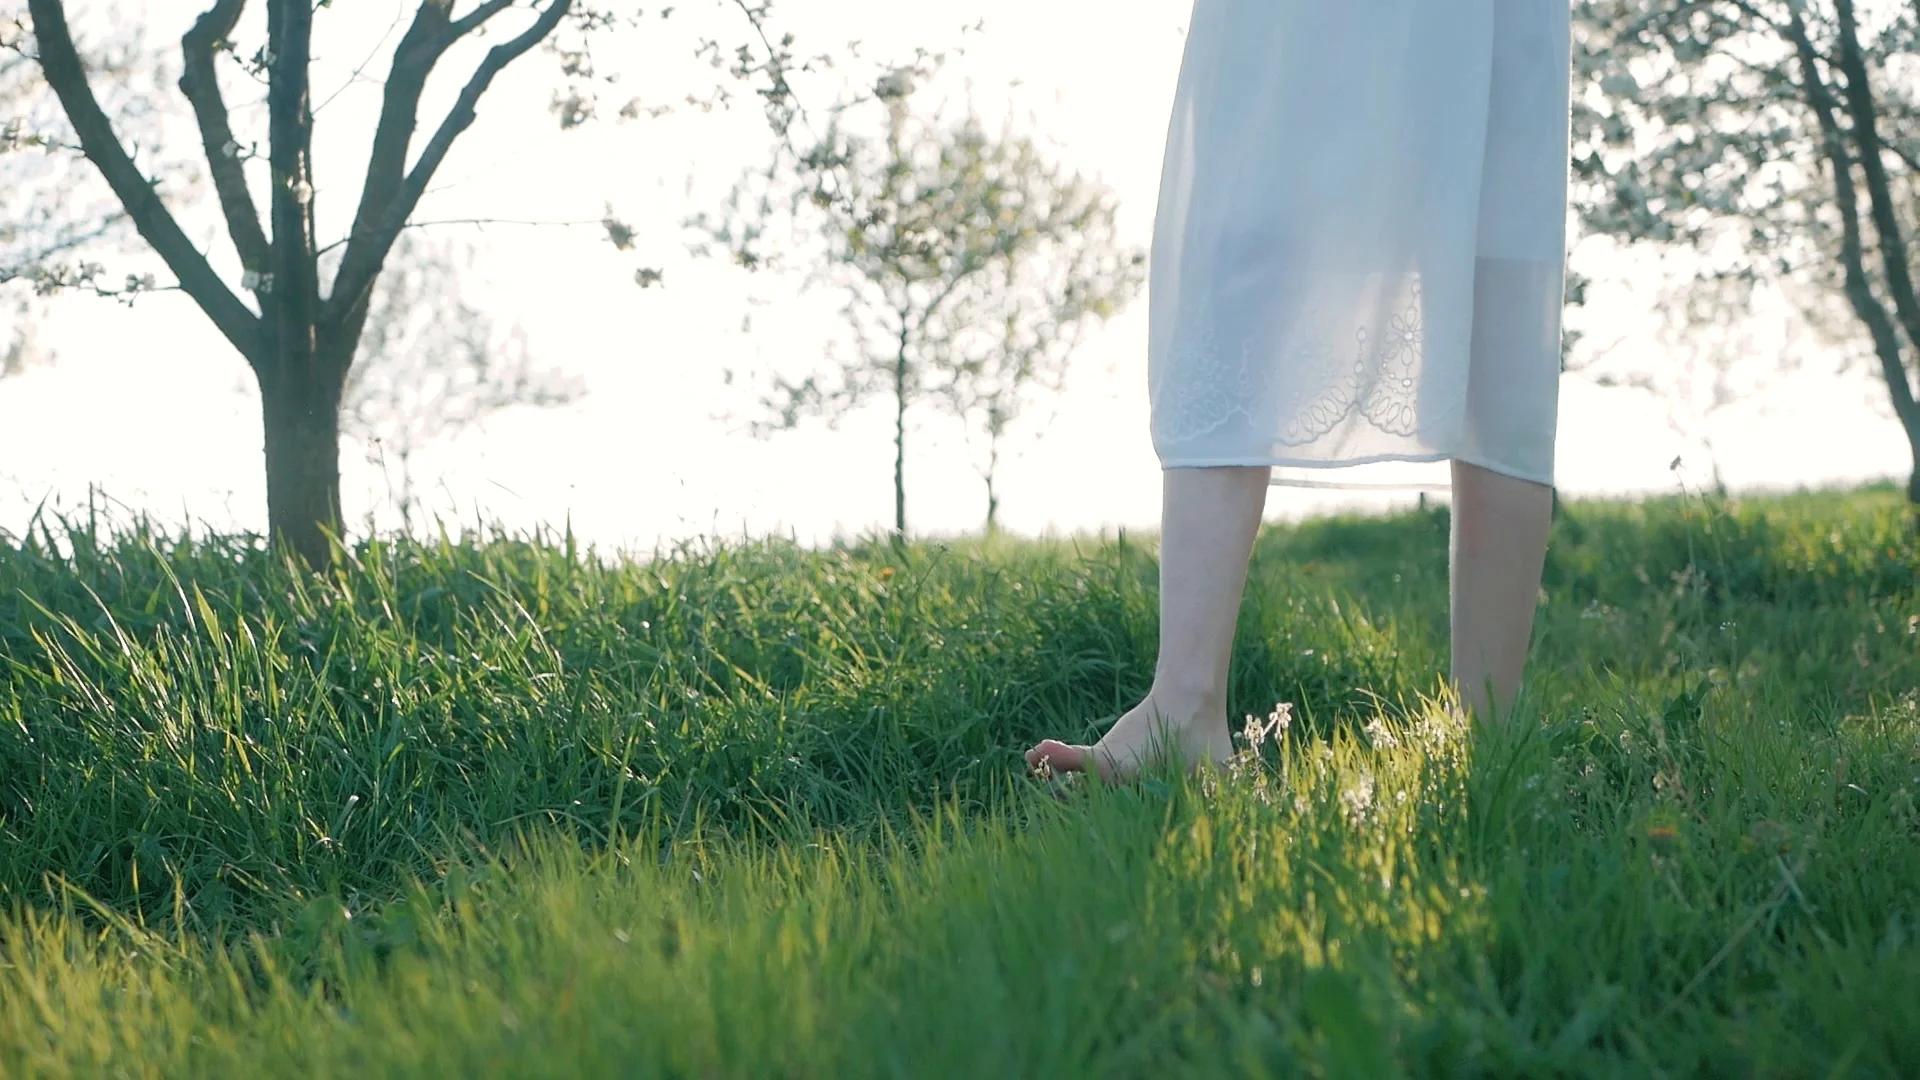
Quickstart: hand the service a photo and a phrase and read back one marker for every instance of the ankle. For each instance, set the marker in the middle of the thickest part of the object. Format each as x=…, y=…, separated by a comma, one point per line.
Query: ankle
x=1186, y=705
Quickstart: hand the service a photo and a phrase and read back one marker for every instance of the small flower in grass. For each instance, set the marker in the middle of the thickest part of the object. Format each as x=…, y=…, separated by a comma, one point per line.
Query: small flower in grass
x=1357, y=798
x=1253, y=732
x=1256, y=731
x=1379, y=736
x=1663, y=837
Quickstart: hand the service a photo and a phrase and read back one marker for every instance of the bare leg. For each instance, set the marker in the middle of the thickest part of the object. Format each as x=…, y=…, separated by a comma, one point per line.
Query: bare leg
x=1208, y=520
x=1500, y=527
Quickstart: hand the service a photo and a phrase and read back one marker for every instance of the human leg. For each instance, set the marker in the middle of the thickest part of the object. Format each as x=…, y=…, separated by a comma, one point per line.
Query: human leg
x=1499, y=547
x=1208, y=520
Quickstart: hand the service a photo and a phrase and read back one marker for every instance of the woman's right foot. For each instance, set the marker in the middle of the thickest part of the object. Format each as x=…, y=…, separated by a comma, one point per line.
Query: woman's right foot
x=1195, y=736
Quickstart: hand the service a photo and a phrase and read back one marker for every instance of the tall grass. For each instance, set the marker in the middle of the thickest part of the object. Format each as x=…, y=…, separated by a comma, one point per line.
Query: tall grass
x=500, y=806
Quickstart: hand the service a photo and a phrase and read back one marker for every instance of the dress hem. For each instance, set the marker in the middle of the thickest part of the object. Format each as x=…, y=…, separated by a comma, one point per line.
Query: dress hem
x=1340, y=463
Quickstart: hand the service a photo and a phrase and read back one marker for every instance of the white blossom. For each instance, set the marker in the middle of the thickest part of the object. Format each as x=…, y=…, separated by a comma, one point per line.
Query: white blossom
x=1357, y=798
x=1379, y=735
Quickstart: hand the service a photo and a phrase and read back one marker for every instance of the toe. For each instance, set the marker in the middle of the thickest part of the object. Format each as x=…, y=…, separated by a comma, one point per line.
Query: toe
x=1061, y=757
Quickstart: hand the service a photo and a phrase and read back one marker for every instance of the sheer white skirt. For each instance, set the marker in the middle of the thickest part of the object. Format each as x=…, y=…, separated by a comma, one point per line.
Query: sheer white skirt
x=1359, y=250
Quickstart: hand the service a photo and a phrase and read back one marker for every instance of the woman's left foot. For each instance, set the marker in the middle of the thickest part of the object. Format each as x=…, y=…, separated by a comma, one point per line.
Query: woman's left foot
x=1148, y=731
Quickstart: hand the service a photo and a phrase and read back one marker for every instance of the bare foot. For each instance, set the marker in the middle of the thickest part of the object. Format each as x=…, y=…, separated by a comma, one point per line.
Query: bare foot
x=1195, y=736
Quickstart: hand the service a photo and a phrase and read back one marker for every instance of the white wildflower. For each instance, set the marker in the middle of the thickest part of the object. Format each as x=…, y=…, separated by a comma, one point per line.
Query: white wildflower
x=1253, y=732
x=1379, y=736
x=1357, y=798
x=1256, y=731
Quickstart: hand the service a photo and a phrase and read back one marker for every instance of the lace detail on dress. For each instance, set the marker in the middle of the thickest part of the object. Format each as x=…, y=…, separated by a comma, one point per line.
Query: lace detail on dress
x=1393, y=404
x=1320, y=383
x=1201, y=389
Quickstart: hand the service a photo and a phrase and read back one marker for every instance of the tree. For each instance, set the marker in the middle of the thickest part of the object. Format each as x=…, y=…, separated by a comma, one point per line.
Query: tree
x=300, y=343
x=967, y=263
x=1746, y=131
x=431, y=363
x=300, y=332
x=1021, y=323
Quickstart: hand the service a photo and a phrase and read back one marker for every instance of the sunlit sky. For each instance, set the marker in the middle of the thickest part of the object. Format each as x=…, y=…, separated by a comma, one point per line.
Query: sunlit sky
x=151, y=405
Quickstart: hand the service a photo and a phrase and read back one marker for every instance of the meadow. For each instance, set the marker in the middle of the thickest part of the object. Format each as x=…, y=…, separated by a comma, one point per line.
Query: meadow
x=501, y=806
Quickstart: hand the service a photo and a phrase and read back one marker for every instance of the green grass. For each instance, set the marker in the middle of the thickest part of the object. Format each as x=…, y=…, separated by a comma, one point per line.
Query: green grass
x=502, y=807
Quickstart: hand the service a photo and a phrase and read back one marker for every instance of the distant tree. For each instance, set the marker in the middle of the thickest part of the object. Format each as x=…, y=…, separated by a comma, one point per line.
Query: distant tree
x=432, y=363
x=967, y=263
x=301, y=331
x=51, y=210
x=1746, y=131
x=1020, y=324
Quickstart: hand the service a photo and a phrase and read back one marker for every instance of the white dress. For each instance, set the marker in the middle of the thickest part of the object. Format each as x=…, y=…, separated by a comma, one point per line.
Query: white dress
x=1359, y=250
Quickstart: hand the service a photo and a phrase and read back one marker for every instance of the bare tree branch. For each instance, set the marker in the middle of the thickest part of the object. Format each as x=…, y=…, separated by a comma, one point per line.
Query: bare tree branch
x=61, y=65
x=420, y=48
x=462, y=27
x=387, y=200
x=360, y=69
x=1906, y=157
x=481, y=221
x=199, y=82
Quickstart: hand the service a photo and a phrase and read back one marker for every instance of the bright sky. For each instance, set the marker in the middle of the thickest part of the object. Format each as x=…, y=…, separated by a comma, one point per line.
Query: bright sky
x=150, y=404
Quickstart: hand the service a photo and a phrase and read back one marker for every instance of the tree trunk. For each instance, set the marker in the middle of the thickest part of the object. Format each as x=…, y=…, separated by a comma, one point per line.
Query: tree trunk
x=900, y=441
x=303, y=468
x=1891, y=238
x=993, y=497
x=1859, y=291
